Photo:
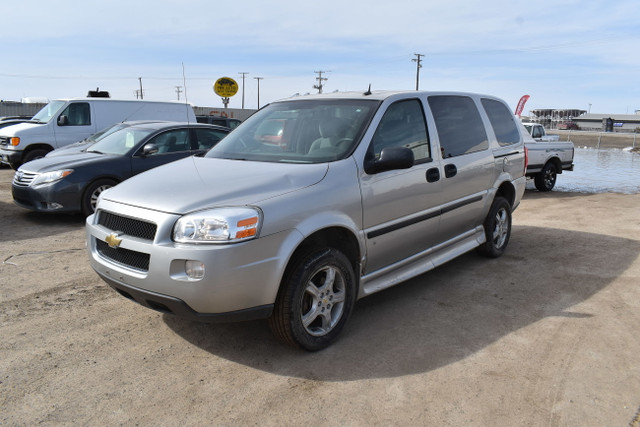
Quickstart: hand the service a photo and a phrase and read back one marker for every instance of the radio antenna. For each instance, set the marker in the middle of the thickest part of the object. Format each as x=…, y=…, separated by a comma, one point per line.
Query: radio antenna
x=186, y=99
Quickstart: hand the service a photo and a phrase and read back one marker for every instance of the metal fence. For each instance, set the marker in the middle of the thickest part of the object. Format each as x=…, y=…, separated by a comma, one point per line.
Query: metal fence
x=581, y=138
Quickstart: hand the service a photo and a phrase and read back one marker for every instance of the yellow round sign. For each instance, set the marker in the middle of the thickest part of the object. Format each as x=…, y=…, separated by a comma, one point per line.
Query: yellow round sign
x=225, y=87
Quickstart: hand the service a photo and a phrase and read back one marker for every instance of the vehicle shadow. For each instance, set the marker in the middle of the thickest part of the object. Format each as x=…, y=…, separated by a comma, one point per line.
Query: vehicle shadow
x=22, y=224
x=442, y=316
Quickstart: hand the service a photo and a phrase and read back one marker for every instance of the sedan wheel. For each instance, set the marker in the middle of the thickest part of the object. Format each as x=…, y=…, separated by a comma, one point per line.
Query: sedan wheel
x=92, y=193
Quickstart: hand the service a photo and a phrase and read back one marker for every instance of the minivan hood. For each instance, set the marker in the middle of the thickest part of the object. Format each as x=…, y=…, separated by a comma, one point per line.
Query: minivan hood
x=197, y=183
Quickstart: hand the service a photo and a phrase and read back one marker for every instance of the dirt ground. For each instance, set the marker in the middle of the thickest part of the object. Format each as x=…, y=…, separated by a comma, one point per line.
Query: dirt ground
x=546, y=335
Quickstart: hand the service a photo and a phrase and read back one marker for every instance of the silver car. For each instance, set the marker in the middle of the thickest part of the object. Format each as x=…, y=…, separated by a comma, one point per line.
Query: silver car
x=311, y=204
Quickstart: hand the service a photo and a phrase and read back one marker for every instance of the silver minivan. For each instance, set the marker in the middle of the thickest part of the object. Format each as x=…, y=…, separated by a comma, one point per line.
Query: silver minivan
x=351, y=194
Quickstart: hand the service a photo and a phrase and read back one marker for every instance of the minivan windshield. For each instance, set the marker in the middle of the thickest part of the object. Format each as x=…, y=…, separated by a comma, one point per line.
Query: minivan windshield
x=301, y=131
x=48, y=111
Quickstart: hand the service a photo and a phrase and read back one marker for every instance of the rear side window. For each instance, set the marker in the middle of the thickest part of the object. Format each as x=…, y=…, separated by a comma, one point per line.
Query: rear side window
x=172, y=141
x=502, y=121
x=459, y=125
x=207, y=138
x=403, y=125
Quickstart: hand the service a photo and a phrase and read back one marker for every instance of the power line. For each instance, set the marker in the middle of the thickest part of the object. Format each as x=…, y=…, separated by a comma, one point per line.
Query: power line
x=320, y=79
x=418, y=61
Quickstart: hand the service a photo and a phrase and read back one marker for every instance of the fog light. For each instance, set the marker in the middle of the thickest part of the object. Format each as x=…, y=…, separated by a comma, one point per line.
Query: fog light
x=51, y=206
x=194, y=269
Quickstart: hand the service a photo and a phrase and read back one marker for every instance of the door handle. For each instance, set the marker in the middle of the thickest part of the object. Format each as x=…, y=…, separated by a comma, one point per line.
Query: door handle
x=433, y=175
x=450, y=170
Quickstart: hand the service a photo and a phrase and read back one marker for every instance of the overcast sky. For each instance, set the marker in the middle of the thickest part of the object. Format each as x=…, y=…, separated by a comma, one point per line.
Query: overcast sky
x=564, y=54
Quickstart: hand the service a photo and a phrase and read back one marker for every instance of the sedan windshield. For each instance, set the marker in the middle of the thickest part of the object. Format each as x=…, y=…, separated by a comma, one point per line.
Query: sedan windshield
x=304, y=131
x=121, y=141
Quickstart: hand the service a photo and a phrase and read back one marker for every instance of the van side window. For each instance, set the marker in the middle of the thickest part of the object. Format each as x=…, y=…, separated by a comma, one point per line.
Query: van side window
x=172, y=141
x=502, y=122
x=403, y=125
x=77, y=114
x=459, y=125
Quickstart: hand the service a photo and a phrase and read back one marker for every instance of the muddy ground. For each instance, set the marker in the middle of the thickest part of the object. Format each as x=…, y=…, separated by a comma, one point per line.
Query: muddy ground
x=547, y=335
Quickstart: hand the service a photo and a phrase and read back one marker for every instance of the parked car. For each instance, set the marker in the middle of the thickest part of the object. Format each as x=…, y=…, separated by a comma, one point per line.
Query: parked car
x=76, y=147
x=72, y=182
x=568, y=126
x=219, y=121
x=65, y=121
x=548, y=156
x=362, y=192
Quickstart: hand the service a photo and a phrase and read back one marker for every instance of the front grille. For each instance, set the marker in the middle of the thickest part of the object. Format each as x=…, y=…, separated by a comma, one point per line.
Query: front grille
x=4, y=140
x=126, y=257
x=23, y=179
x=122, y=224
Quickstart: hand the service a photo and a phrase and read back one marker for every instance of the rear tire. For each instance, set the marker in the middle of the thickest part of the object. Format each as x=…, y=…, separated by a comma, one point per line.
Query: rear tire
x=315, y=299
x=497, y=228
x=91, y=194
x=545, y=180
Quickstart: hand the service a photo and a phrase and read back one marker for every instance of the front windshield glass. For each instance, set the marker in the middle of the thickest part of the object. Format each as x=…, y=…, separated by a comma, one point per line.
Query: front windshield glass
x=105, y=132
x=121, y=141
x=304, y=131
x=48, y=111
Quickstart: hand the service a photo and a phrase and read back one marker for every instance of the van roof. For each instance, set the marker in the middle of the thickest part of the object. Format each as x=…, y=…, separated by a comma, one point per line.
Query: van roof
x=95, y=99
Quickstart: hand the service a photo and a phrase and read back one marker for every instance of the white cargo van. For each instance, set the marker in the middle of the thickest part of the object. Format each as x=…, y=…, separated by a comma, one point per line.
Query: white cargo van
x=64, y=121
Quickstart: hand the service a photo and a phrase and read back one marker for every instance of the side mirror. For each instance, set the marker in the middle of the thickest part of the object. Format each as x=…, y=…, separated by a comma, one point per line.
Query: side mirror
x=149, y=149
x=391, y=158
x=63, y=121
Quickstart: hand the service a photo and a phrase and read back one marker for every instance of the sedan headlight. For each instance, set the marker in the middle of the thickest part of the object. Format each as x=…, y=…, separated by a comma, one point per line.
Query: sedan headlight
x=221, y=225
x=49, y=177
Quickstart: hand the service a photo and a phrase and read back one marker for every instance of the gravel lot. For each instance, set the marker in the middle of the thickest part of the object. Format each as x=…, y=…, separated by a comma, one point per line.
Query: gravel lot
x=545, y=335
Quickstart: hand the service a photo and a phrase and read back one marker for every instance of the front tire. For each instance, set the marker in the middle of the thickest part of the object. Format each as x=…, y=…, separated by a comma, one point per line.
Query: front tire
x=34, y=154
x=497, y=228
x=91, y=194
x=546, y=179
x=315, y=300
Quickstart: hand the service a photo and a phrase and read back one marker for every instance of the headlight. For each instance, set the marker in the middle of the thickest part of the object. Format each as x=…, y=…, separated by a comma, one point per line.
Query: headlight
x=49, y=177
x=221, y=225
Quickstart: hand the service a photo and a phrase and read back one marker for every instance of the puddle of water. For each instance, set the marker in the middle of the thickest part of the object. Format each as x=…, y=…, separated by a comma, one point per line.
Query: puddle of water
x=600, y=171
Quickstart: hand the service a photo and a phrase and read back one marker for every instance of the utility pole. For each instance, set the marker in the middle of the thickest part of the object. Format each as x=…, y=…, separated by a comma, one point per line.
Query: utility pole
x=418, y=61
x=141, y=92
x=320, y=79
x=258, y=79
x=243, y=74
x=178, y=91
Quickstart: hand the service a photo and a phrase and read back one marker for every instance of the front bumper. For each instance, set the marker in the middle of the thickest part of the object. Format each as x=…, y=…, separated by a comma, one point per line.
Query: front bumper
x=58, y=197
x=241, y=280
x=10, y=156
x=172, y=305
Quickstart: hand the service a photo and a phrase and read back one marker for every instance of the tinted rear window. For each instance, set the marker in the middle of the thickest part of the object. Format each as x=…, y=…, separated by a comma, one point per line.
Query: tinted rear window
x=502, y=121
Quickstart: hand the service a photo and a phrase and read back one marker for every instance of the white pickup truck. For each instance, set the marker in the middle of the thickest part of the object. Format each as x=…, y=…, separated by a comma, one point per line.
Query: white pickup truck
x=548, y=156
x=538, y=133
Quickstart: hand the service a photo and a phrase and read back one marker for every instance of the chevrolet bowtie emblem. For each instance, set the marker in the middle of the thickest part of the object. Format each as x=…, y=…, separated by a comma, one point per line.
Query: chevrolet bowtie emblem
x=113, y=241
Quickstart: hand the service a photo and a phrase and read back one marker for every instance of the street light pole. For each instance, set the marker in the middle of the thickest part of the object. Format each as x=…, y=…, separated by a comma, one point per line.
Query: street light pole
x=258, y=79
x=243, y=74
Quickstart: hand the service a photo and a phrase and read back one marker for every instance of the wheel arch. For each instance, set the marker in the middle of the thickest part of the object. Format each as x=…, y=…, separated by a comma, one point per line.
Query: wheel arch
x=38, y=146
x=335, y=237
x=508, y=191
x=556, y=162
